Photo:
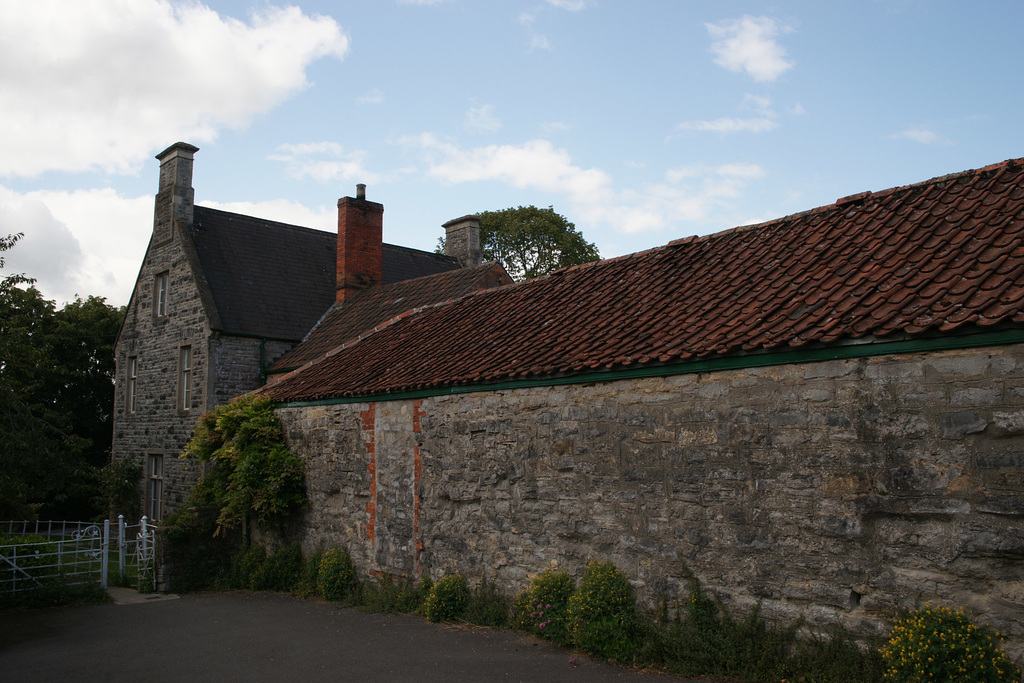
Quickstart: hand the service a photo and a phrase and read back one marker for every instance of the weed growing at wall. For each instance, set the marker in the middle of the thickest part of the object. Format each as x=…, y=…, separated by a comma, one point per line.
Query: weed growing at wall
x=543, y=608
x=447, y=600
x=336, y=577
x=308, y=584
x=940, y=644
x=251, y=474
x=486, y=606
x=196, y=559
x=389, y=595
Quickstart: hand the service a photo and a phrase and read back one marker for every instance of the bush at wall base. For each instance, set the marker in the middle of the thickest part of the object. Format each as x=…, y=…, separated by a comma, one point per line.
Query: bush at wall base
x=940, y=644
x=447, y=600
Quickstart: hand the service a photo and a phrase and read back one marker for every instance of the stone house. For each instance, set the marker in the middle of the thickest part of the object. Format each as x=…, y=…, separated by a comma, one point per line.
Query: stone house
x=221, y=296
x=822, y=414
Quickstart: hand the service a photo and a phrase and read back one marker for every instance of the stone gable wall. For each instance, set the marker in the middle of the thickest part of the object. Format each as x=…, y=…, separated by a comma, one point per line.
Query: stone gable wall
x=840, y=490
x=158, y=427
x=223, y=367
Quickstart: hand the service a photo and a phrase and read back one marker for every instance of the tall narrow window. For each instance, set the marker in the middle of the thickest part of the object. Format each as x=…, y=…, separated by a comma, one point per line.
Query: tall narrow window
x=155, y=487
x=133, y=376
x=185, y=378
x=160, y=287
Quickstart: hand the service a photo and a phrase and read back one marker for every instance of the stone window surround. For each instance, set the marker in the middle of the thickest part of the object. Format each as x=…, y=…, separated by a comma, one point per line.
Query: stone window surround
x=131, y=398
x=161, y=290
x=185, y=379
x=154, y=486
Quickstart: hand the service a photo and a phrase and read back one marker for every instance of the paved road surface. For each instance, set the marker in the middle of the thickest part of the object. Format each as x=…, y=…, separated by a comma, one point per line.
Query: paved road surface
x=272, y=637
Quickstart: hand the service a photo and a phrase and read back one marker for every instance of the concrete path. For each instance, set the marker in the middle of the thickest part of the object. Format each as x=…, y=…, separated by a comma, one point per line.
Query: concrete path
x=271, y=637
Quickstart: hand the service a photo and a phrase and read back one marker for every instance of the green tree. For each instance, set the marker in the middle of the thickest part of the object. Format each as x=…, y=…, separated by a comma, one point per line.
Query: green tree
x=530, y=242
x=56, y=399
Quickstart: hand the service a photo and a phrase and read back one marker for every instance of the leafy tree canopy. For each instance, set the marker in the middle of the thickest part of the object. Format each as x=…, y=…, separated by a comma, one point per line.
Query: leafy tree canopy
x=56, y=399
x=530, y=242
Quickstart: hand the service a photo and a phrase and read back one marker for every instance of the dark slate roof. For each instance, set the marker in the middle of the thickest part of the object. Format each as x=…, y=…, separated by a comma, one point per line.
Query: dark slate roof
x=939, y=257
x=275, y=280
x=374, y=306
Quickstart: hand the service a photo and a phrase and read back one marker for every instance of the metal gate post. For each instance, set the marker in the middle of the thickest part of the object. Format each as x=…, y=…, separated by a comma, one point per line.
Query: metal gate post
x=120, y=546
x=105, y=557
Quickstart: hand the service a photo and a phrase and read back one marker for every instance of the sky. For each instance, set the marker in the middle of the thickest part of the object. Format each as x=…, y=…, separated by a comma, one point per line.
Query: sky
x=641, y=121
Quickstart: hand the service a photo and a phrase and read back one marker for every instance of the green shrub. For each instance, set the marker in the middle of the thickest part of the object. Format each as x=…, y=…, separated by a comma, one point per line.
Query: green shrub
x=281, y=571
x=602, y=613
x=487, y=607
x=543, y=608
x=308, y=584
x=940, y=644
x=447, y=600
x=246, y=566
x=337, y=577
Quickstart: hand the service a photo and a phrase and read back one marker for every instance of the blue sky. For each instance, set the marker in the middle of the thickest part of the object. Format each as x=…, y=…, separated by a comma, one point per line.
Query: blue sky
x=641, y=121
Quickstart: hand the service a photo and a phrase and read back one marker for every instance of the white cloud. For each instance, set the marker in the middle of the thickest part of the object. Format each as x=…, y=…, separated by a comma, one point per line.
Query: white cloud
x=922, y=135
x=535, y=164
x=689, y=194
x=538, y=41
x=103, y=84
x=482, y=118
x=324, y=162
x=87, y=242
x=421, y=2
x=748, y=45
x=731, y=125
x=571, y=5
x=765, y=121
x=375, y=96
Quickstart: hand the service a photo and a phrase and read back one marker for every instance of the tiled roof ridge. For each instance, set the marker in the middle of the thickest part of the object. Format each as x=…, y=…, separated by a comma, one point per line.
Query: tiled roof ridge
x=847, y=200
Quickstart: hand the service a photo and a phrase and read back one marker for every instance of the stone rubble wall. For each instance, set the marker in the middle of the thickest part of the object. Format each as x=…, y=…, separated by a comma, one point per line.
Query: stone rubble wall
x=830, y=491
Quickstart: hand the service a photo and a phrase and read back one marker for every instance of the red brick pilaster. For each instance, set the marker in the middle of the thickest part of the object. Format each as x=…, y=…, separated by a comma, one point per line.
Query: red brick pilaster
x=369, y=439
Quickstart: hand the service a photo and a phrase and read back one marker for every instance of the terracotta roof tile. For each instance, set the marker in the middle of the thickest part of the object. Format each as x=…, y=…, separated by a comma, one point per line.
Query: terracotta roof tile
x=939, y=256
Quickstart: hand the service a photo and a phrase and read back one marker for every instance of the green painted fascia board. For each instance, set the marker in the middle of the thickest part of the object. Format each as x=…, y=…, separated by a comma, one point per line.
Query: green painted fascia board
x=815, y=355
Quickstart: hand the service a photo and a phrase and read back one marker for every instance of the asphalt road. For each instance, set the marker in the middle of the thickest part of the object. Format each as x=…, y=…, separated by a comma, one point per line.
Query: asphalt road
x=273, y=637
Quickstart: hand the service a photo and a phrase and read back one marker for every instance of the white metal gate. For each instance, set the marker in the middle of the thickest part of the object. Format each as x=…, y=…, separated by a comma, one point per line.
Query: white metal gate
x=76, y=553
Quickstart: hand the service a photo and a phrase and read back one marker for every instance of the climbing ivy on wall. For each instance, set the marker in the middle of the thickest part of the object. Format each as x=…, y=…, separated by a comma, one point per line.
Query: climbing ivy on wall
x=250, y=474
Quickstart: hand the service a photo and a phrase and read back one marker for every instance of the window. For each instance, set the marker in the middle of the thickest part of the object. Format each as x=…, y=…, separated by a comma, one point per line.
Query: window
x=185, y=378
x=155, y=487
x=160, y=287
x=133, y=376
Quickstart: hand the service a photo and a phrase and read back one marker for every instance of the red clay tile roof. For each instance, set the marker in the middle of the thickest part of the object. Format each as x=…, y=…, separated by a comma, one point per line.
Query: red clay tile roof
x=939, y=256
x=361, y=313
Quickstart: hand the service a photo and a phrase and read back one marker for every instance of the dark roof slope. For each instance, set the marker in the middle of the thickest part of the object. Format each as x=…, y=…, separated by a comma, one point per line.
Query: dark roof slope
x=376, y=305
x=934, y=257
x=275, y=280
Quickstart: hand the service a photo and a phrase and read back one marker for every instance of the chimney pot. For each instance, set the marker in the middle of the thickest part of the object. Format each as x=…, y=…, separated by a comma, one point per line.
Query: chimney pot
x=360, y=191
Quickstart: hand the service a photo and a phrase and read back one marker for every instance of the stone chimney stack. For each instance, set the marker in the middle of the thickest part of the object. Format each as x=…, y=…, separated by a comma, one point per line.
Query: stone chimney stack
x=175, y=198
x=462, y=240
x=360, y=234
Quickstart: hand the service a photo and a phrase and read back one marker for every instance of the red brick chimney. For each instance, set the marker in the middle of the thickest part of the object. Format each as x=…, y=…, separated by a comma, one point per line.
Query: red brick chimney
x=360, y=233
